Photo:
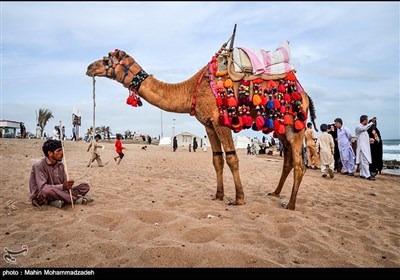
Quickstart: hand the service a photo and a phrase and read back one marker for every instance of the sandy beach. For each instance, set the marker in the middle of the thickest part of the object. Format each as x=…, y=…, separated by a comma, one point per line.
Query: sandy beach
x=155, y=209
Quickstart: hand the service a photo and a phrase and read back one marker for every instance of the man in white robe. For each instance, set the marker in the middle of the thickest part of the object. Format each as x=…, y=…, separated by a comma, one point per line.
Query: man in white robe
x=326, y=150
x=363, y=154
x=345, y=149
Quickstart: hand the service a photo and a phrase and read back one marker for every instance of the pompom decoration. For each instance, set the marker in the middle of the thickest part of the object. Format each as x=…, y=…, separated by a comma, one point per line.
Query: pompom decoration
x=291, y=77
x=298, y=125
x=256, y=99
x=228, y=83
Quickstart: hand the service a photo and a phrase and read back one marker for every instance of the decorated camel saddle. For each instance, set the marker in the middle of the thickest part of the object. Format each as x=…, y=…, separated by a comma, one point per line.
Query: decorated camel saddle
x=248, y=81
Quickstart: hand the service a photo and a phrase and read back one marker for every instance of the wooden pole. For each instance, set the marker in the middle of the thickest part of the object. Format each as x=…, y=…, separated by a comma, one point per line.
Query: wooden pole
x=232, y=38
x=65, y=163
x=94, y=107
x=94, y=120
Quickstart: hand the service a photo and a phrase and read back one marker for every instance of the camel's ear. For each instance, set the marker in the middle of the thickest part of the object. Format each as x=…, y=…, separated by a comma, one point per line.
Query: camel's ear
x=119, y=54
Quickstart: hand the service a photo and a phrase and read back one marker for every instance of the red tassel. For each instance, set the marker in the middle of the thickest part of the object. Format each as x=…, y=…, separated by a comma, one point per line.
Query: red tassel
x=287, y=120
x=258, y=81
x=271, y=84
x=276, y=125
x=281, y=129
x=281, y=88
x=299, y=125
x=296, y=96
x=129, y=100
x=232, y=101
x=291, y=77
x=287, y=98
x=219, y=101
x=277, y=104
x=260, y=122
x=264, y=100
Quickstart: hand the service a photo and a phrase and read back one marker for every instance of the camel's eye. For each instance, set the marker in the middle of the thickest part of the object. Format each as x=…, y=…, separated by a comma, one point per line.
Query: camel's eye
x=105, y=61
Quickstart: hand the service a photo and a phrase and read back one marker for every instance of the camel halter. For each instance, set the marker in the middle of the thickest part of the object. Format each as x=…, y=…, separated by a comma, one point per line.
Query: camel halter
x=137, y=79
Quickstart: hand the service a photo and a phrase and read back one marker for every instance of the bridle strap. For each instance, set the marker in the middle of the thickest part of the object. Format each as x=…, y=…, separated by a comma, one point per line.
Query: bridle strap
x=126, y=69
x=138, y=79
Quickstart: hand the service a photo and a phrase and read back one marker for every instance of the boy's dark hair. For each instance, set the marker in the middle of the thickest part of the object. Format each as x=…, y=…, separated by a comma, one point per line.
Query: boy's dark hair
x=97, y=136
x=324, y=127
x=118, y=135
x=309, y=125
x=363, y=118
x=339, y=120
x=50, y=146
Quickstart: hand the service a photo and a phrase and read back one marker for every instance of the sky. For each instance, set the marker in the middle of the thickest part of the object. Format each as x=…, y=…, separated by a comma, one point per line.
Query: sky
x=346, y=55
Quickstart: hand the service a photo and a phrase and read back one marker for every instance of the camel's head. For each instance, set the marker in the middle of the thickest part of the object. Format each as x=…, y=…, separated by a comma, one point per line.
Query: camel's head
x=110, y=66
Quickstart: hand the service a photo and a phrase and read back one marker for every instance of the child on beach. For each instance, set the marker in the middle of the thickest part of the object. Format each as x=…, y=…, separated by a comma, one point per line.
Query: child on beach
x=118, y=149
x=96, y=154
x=326, y=148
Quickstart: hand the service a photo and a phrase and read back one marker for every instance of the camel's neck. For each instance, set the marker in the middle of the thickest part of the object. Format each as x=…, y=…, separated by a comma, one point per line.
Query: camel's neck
x=169, y=97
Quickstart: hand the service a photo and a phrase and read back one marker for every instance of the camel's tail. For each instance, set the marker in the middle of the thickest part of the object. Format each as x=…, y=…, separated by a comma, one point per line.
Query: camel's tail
x=312, y=112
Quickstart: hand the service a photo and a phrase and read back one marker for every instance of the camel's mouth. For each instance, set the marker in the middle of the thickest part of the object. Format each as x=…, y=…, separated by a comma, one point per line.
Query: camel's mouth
x=91, y=70
x=95, y=69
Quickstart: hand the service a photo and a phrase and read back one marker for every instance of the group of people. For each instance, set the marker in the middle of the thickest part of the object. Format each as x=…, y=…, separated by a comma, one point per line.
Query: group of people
x=58, y=134
x=334, y=150
x=191, y=146
x=49, y=182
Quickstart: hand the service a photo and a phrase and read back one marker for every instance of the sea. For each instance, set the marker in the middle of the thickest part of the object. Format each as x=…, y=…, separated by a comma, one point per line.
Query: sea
x=391, y=151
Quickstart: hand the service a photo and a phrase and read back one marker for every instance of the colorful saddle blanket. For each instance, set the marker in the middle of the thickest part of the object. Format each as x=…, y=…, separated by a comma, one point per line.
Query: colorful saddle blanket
x=258, y=61
x=258, y=98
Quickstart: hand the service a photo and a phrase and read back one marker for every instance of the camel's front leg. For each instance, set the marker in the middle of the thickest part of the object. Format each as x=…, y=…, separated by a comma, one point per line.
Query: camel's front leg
x=225, y=136
x=218, y=161
x=299, y=168
x=287, y=167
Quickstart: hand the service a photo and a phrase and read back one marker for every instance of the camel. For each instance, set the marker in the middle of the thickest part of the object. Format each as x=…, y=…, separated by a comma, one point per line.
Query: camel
x=194, y=96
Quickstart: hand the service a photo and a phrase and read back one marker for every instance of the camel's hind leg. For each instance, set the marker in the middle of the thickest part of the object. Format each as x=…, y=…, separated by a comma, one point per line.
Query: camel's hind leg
x=287, y=165
x=224, y=136
x=299, y=168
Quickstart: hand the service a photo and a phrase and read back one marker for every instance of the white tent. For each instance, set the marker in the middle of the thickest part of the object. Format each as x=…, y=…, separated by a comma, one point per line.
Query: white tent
x=241, y=142
x=165, y=141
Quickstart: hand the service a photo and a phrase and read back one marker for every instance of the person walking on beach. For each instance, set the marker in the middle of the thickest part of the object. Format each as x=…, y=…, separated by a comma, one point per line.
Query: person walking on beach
x=195, y=144
x=313, y=157
x=22, y=130
x=56, y=133
x=73, y=138
x=376, y=149
x=338, y=163
x=326, y=148
x=118, y=149
x=345, y=148
x=48, y=180
x=363, y=154
x=96, y=153
x=175, y=144
x=205, y=144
